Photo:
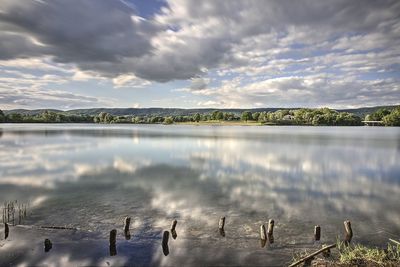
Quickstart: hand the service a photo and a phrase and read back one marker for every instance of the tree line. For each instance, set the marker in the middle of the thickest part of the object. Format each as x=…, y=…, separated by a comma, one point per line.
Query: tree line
x=305, y=116
x=386, y=116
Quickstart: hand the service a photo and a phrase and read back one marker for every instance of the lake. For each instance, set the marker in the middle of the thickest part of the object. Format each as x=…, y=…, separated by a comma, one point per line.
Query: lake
x=91, y=177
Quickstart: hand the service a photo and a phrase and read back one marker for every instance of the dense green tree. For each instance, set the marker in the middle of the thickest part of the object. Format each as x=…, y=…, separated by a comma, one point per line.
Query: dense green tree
x=256, y=115
x=392, y=119
x=220, y=115
x=48, y=116
x=2, y=116
x=14, y=117
x=196, y=117
x=168, y=120
x=214, y=115
x=246, y=115
x=379, y=114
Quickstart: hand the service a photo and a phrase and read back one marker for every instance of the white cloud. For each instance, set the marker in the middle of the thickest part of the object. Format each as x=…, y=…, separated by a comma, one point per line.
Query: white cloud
x=129, y=80
x=299, y=91
x=191, y=40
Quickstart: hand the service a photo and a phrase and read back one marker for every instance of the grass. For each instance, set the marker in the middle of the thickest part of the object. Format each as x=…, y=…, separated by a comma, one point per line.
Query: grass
x=362, y=255
x=356, y=255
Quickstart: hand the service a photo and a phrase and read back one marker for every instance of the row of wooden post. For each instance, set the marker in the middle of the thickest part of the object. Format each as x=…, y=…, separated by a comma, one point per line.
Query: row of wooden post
x=264, y=235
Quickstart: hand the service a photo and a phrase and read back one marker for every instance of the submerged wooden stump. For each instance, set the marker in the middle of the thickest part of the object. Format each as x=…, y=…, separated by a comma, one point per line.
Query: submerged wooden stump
x=349, y=232
x=47, y=245
x=263, y=235
x=221, y=223
x=270, y=231
x=127, y=223
x=173, y=231
x=6, y=230
x=317, y=233
x=165, y=243
x=127, y=232
x=173, y=225
x=113, y=242
x=174, y=234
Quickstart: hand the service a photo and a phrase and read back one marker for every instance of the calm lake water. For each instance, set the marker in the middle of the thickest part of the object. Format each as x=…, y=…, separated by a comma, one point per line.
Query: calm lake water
x=92, y=176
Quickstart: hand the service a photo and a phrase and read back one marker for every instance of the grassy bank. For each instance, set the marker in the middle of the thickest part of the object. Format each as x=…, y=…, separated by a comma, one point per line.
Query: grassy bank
x=355, y=255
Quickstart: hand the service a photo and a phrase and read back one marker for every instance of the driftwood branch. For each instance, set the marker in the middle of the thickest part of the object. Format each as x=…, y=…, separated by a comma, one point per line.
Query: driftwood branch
x=312, y=255
x=394, y=241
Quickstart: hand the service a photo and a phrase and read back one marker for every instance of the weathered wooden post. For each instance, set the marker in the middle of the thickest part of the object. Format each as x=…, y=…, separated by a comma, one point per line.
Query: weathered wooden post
x=221, y=225
x=127, y=223
x=113, y=242
x=6, y=230
x=271, y=224
x=270, y=231
x=173, y=231
x=165, y=243
x=47, y=245
x=173, y=224
x=13, y=214
x=349, y=232
x=317, y=233
x=263, y=235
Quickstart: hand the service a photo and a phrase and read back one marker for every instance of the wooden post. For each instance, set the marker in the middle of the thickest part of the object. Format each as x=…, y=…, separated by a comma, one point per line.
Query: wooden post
x=349, y=232
x=6, y=230
x=271, y=224
x=113, y=242
x=173, y=225
x=317, y=233
x=263, y=235
x=173, y=231
x=13, y=212
x=270, y=231
x=127, y=223
x=47, y=245
x=221, y=223
x=165, y=243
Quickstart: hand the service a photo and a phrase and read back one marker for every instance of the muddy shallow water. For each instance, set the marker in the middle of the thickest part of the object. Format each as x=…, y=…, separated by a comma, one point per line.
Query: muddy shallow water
x=92, y=176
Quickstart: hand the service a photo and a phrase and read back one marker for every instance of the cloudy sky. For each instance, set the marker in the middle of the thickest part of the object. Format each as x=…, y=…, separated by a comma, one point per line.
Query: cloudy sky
x=188, y=53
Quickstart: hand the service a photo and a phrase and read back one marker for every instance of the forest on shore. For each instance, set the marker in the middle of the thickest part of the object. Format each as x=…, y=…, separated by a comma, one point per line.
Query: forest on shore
x=301, y=116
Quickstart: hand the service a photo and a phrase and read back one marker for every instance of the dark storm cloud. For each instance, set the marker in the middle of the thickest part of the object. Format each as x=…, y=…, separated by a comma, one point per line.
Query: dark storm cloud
x=82, y=32
x=277, y=50
x=103, y=36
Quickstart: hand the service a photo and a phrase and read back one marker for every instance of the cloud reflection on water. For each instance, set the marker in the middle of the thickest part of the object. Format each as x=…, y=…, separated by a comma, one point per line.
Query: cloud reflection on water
x=93, y=181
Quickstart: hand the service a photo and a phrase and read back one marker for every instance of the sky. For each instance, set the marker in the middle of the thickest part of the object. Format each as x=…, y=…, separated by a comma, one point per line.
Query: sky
x=199, y=54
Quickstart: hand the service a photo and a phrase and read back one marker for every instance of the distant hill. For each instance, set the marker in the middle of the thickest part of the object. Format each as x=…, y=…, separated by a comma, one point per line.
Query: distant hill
x=174, y=111
x=136, y=111
x=362, y=112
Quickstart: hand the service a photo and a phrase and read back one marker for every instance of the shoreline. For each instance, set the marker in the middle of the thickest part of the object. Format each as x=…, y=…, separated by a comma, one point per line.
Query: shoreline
x=201, y=123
